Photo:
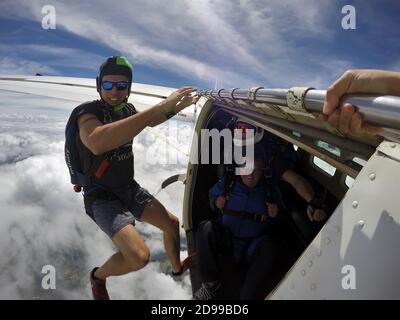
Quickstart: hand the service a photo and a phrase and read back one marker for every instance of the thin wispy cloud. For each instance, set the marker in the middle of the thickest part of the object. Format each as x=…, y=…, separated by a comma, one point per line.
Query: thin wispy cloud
x=11, y=66
x=54, y=57
x=240, y=43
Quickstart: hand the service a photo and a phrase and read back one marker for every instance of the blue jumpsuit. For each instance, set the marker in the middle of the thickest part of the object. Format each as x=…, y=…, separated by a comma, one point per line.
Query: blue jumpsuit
x=244, y=254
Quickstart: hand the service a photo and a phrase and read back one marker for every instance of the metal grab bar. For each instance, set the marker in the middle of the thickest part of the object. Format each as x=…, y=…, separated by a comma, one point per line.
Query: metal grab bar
x=381, y=111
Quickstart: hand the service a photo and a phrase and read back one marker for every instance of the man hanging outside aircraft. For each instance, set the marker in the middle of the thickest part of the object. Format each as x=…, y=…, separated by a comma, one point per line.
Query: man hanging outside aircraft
x=112, y=198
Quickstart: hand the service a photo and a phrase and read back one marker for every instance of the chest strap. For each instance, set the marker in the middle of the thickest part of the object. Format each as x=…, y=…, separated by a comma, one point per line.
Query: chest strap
x=247, y=215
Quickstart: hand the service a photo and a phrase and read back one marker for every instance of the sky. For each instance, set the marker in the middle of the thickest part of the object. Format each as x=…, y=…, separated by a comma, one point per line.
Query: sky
x=238, y=43
x=206, y=43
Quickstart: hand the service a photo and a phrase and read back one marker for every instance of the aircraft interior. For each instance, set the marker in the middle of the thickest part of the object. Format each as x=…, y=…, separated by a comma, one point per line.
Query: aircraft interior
x=296, y=230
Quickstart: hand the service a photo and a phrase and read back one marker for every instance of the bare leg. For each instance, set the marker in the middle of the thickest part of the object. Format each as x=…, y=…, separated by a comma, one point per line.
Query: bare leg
x=156, y=214
x=133, y=254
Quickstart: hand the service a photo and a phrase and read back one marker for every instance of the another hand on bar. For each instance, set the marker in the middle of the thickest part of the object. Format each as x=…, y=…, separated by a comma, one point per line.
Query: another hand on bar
x=347, y=119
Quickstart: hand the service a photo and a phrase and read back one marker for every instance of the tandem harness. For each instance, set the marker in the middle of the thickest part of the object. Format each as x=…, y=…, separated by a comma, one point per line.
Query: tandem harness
x=270, y=182
x=247, y=215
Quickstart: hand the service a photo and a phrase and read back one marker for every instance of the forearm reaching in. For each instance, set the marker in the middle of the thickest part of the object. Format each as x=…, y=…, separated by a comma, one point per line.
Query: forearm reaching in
x=304, y=189
x=348, y=119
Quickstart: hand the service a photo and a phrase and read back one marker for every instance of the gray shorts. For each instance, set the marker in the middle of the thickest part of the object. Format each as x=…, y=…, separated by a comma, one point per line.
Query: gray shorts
x=112, y=215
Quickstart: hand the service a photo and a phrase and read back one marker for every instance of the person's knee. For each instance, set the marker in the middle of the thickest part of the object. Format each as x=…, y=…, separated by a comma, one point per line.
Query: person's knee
x=203, y=230
x=144, y=258
x=138, y=259
x=211, y=233
x=205, y=227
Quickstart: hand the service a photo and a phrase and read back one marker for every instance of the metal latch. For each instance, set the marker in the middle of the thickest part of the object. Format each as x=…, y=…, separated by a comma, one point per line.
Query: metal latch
x=295, y=98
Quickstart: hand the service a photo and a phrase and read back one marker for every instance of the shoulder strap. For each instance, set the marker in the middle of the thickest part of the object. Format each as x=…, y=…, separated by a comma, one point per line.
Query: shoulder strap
x=72, y=157
x=71, y=152
x=131, y=108
x=229, y=180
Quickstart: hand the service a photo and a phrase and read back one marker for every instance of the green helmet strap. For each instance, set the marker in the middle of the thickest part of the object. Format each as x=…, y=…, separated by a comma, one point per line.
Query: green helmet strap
x=119, y=106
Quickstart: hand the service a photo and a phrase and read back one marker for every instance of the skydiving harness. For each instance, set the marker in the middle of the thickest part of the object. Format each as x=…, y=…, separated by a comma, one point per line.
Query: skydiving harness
x=81, y=179
x=247, y=215
x=270, y=182
x=270, y=187
x=101, y=169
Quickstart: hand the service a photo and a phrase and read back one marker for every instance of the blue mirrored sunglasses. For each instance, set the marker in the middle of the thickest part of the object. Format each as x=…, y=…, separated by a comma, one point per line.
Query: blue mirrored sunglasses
x=120, y=85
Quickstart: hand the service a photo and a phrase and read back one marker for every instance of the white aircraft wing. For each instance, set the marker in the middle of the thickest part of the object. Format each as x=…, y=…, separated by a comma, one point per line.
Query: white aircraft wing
x=81, y=90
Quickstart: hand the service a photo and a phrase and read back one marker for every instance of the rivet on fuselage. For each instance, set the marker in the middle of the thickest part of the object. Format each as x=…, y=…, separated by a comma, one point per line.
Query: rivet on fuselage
x=372, y=176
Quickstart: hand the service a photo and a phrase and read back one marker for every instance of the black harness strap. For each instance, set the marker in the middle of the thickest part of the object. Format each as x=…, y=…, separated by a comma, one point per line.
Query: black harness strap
x=247, y=215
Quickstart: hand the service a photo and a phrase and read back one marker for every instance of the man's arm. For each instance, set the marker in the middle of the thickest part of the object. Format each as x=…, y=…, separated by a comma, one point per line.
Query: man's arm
x=216, y=192
x=99, y=138
x=348, y=119
x=302, y=187
x=315, y=209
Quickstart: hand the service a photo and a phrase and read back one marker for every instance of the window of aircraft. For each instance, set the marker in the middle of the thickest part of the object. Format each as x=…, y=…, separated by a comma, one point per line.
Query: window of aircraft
x=326, y=146
x=297, y=134
x=349, y=181
x=325, y=166
x=360, y=161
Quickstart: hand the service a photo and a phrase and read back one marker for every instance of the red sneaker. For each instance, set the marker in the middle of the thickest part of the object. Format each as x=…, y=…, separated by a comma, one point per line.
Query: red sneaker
x=186, y=264
x=189, y=262
x=99, y=289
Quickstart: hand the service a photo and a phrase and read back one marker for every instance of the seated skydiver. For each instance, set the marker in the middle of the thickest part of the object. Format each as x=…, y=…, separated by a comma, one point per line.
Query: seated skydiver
x=243, y=248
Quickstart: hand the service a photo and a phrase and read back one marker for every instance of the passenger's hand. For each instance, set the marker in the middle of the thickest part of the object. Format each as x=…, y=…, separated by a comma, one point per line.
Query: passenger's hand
x=180, y=99
x=272, y=209
x=348, y=119
x=315, y=215
x=220, y=202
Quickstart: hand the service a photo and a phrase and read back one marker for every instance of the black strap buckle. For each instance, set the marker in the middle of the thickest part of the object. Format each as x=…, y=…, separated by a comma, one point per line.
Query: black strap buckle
x=247, y=215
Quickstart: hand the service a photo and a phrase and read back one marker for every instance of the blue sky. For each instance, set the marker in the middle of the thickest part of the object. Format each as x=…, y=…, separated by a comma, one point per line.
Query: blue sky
x=241, y=43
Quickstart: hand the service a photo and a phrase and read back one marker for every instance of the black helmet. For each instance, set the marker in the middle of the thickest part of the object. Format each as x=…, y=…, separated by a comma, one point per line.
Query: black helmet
x=115, y=65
